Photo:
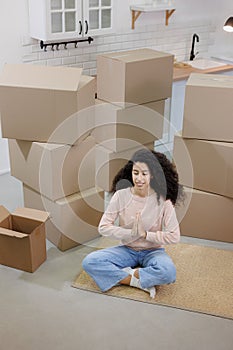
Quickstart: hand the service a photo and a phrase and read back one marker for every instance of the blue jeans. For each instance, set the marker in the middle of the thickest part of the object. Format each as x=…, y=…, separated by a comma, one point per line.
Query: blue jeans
x=105, y=266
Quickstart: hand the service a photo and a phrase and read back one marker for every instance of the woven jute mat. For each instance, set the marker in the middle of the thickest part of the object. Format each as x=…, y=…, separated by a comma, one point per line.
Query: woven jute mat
x=204, y=282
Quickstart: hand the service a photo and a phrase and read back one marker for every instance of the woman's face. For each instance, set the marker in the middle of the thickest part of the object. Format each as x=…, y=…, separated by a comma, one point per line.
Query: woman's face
x=141, y=178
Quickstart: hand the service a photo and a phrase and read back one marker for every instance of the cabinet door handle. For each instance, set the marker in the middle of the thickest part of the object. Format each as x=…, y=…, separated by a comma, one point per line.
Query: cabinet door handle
x=80, y=27
x=86, y=27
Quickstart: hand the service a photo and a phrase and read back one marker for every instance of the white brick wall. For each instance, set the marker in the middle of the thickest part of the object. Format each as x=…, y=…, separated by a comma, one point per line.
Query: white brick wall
x=174, y=38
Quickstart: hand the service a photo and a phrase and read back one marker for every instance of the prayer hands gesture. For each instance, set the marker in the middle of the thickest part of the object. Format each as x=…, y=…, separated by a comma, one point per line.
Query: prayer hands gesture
x=138, y=230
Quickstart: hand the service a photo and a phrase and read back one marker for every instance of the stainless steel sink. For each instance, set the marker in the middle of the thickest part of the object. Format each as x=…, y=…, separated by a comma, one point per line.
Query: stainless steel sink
x=205, y=63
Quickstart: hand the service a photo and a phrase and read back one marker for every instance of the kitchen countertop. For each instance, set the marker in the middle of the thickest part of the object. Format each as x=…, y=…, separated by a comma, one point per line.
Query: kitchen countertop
x=184, y=73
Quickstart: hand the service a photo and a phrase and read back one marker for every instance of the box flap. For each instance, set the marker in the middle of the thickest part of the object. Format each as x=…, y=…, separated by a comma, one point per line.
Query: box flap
x=210, y=80
x=137, y=55
x=33, y=214
x=24, y=146
x=11, y=233
x=79, y=195
x=40, y=77
x=84, y=80
x=4, y=213
x=50, y=146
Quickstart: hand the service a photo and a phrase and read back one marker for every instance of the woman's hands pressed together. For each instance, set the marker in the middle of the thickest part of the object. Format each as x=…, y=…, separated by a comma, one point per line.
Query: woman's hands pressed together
x=138, y=230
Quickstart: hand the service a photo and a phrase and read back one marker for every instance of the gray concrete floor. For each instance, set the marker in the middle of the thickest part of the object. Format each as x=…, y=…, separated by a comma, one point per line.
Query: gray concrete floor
x=41, y=311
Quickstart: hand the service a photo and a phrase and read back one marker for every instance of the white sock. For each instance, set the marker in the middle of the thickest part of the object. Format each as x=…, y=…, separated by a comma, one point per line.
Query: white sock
x=129, y=270
x=135, y=282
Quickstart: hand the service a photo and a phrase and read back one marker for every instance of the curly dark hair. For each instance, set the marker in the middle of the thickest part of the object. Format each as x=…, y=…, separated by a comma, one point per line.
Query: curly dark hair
x=164, y=181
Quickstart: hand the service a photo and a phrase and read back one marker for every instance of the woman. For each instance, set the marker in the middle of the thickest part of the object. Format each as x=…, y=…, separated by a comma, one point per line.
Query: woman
x=145, y=192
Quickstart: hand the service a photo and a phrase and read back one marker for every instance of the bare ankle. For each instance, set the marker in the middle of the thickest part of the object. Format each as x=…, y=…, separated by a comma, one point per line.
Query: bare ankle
x=136, y=273
x=126, y=280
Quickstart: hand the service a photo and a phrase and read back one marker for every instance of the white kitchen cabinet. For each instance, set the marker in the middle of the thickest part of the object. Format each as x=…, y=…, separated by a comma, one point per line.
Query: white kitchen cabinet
x=177, y=108
x=51, y=20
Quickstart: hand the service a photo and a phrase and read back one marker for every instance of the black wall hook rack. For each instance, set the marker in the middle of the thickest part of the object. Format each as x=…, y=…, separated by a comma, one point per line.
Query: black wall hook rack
x=65, y=43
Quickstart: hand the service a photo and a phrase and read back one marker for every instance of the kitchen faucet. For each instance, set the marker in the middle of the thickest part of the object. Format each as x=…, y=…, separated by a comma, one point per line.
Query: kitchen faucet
x=192, y=55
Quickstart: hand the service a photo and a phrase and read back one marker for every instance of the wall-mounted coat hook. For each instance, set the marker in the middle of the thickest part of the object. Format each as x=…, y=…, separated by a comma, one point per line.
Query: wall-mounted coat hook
x=43, y=46
x=65, y=43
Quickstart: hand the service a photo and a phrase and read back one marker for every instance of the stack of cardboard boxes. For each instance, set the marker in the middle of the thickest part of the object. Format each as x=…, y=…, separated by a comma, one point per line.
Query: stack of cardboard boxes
x=47, y=115
x=66, y=146
x=132, y=87
x=207, y=138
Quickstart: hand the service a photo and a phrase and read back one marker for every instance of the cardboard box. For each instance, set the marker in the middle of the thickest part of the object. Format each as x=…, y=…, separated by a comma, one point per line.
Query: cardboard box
x=54, y=170
x=75, y=217
x=211, y=163
x=206, y=215
x=22, y=238
x=208, y=107
x=108, y=163
x=55, y=236
x=141, y=123
x=135, y=76
x=37, y=102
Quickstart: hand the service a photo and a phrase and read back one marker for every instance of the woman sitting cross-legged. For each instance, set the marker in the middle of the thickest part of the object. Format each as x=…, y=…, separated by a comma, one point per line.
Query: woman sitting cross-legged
x=142, y=217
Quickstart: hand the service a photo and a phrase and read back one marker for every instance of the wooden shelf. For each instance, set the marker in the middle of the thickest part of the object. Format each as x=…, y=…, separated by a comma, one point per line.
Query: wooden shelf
x=138, y=9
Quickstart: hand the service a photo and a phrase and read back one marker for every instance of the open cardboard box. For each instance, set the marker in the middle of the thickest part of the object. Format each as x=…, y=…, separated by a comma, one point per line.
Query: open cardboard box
x=73, y=219
x=22, y=238
x=40, y=103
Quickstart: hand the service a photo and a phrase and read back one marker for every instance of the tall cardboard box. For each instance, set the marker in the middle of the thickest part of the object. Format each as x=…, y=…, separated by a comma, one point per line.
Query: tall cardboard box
x=54, y=170
x=135, y=76
x=208, y=107
x=37, y=102
x=211, y=162
x=76, y=216
x=55, y=236
x=22, y=238
x=108, y=163
x=206, y=215
x=140, y=123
